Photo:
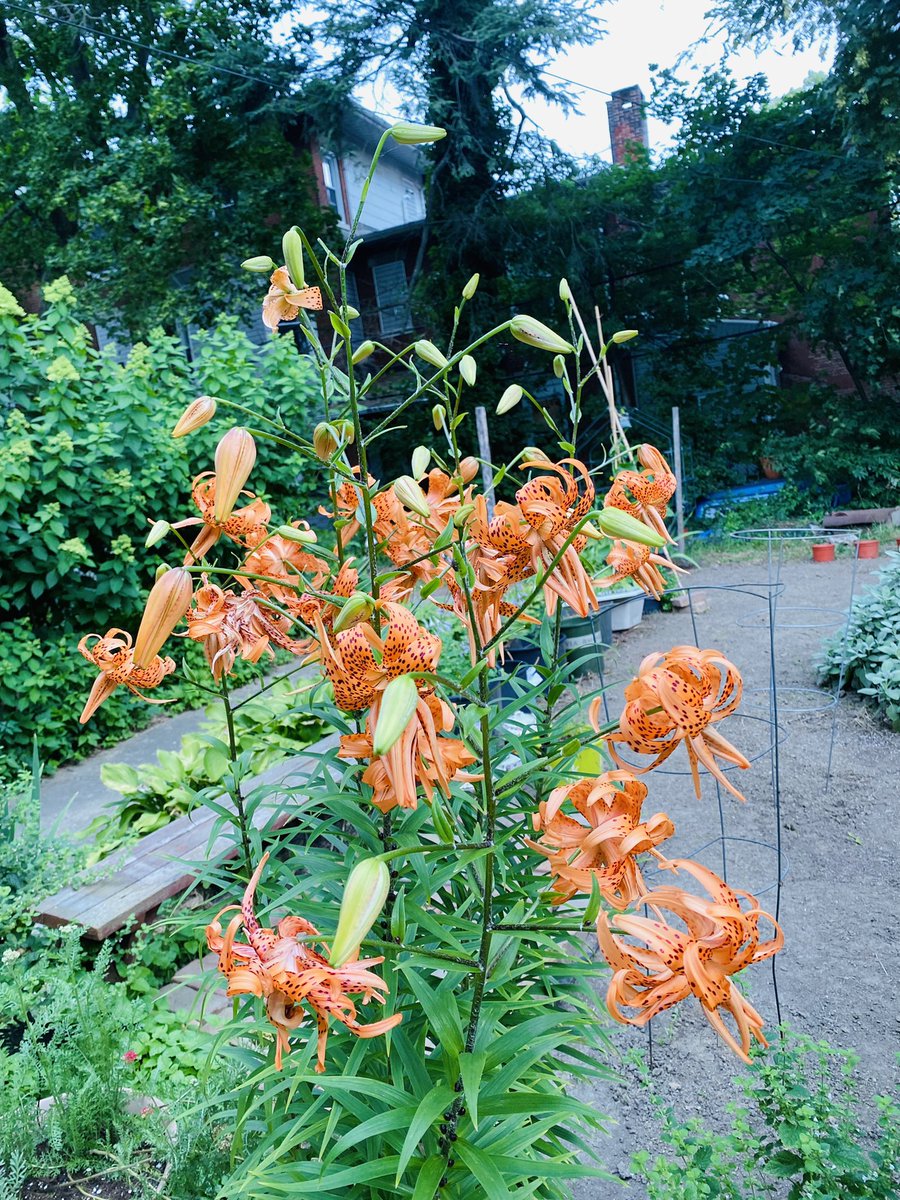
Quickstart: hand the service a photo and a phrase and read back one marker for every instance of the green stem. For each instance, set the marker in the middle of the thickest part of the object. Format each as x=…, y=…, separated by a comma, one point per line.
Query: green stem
x=235, y=790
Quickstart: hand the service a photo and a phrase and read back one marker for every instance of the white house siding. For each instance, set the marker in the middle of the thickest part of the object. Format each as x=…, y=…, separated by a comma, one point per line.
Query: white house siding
x=389, y=202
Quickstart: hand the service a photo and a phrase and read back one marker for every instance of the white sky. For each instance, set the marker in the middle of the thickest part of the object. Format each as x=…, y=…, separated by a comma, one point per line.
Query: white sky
x=638, y=33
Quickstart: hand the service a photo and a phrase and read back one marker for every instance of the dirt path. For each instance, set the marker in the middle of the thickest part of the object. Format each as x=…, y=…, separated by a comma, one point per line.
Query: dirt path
x=839, y=974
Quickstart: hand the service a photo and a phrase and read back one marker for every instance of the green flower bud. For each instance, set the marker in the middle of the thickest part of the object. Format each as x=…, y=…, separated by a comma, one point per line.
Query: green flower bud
x=618, y=524
x=346, y=431
x=468, y=368
x=509, y=399
x=365, y=892
x=565, y=292
x=349, y=313
x=430, y=353
x=157, y=533
x=362, y=352
x=462, y=515
x=160, y=571
x=398, y=703
x=407, y=133
x=261, y=265
x=411, y=495
x=438, y=415
x=326, y=440
x=535, y=333
x=306, y=537
x=624, y=335
x=471, y=287
x=357, y=608
x=559, y=366
x=292, y=248
x=421, y=457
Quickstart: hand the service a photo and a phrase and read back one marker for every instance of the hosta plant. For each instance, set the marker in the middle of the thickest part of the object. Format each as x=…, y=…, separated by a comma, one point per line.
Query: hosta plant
x=412, y=956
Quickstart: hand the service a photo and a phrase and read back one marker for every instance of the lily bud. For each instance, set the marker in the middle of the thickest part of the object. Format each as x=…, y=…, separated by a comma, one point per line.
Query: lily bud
x=559, y=366
x=408, y=133
x=306, y=537
x=261, y=265
x=357, y=608
x=462, y=515
x=398, y=703
x=509, y=399
x=292, y=248
x=535, y=333
x=326, y=440
x=346, y=432
x=624, y=335
x=534, y=454
x=235, y=456
x=468, y=368
x=591, y=531
x=362, y=352
x=438, y=413
x=421, y=456
x=565, y=292
x=160, y=571
x=169, y=600
x=197, y=413
x=471, y=287
x=365, y=892
x=430, y=353
x=618, y=524
x=157, y=533
x=440, y=818
x=411, y=495
x=349, y=313
x=468, y=468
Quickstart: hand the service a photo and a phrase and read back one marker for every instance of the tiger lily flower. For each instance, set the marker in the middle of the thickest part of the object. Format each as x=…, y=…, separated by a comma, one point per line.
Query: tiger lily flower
x=631, y=560
x=675, y=698
x=113, y=656
x=421, y=756
x=489, y=610
x=719, y=939
x=284, y=300
x=246, y=526
x=282, y=967
x=645, y=494
x=278, y=557
x=231, y=625
x=602, y=845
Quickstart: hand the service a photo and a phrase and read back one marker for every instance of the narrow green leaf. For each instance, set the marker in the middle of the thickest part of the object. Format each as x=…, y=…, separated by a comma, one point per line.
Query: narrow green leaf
x=429, y=1178
x=471, y=1068
x=482, y=1167
x=430, y=1107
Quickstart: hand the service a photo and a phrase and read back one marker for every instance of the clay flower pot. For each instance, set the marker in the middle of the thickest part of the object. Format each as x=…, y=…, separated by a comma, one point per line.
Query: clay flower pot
x=867, y=548
x=823, y=552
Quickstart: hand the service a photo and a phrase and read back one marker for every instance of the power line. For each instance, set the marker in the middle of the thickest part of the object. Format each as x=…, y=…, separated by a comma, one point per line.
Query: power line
x=586, y=86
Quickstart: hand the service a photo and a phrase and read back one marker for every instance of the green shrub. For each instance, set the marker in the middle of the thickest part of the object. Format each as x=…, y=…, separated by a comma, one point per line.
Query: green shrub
x=85, y=452
x=871, y=655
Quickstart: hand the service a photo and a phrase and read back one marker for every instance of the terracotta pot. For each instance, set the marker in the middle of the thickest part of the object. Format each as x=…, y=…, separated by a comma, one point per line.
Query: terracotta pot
x=823, y=552
x=867, y=548
x=768, y=468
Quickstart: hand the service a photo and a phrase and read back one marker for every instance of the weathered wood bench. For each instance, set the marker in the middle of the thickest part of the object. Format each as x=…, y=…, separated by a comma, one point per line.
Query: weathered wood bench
x=158, y=865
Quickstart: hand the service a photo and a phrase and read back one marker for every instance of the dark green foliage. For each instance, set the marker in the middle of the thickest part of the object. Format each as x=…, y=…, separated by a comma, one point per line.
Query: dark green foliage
x=871, y=655
x=804, y=1136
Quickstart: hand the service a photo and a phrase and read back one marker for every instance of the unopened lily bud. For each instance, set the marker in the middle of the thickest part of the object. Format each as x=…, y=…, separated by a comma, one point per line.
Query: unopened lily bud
x=306, y=537
x=292, y=248
x=235, y=456
x=468, y=368
x=440, y=818
x=408, y=133
x=468, y=468
x=197, y=413
x=624, y=335
x=534, y=454
x=430, y=353
x=357, y=608
x=362, y=352
x=349, y=313
x=438, y=415
x=411, y=495
x=462, y=515
x=591, y=531
x=160, y=571
x=421, y=457
x=471, y=287
x=534, y=333
x=326, y=440
x=169, y=600
x=559, y=366
x=157, y=533
x=346, y=432
x=365, y=892
x=565, y=292
x=398, y=703
x=618, y=524
x=261, y=265
x=509, y=399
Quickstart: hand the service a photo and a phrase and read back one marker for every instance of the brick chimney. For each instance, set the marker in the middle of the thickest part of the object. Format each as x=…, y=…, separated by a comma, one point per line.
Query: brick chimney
x=627, y=123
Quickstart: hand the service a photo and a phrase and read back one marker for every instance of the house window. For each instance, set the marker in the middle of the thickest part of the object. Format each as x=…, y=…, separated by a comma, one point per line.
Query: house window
x=392, y=296
x=411, y=208
x=330, y=177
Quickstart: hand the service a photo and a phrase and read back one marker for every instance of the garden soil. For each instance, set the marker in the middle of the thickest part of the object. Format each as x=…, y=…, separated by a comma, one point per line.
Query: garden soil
x=838, y=977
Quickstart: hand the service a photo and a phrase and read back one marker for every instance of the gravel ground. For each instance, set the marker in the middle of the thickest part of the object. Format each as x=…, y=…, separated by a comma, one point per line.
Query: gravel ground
x=839, y=974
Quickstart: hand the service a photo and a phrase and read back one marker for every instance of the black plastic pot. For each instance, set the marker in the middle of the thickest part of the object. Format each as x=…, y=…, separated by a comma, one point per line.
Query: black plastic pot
x=519, y=656
x=586, y=639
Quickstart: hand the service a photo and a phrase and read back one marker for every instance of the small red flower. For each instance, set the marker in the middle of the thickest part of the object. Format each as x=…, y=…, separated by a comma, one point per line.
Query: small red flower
x=130, y=1056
